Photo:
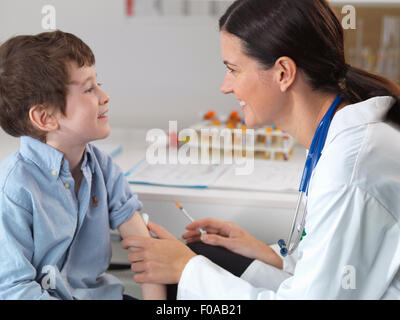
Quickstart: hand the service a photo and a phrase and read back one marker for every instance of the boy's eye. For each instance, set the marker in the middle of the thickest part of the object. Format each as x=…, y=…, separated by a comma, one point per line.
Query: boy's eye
x=230, y=69
x=92, y=88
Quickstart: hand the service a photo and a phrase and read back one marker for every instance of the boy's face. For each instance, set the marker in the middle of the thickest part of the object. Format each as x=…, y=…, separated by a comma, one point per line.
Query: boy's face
x=86, y=107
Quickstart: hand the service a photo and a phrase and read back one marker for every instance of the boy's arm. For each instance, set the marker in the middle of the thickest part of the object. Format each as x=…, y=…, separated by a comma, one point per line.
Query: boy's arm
x=135, y=226
x=121, y=203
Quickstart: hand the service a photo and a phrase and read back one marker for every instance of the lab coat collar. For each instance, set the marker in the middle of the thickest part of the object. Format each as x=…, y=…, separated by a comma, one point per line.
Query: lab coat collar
x=361, y=113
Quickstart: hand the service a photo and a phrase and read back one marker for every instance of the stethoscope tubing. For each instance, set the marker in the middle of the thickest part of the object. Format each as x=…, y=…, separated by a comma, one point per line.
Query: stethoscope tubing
x=299, y=200
x=313, y=156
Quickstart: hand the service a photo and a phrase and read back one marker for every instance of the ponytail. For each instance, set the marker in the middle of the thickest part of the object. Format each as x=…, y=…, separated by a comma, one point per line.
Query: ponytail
x=359, y=85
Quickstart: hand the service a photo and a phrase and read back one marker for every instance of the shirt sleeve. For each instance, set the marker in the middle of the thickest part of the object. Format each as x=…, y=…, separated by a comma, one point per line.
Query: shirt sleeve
x=17, y=273
x=122, y=202
x=351, y=251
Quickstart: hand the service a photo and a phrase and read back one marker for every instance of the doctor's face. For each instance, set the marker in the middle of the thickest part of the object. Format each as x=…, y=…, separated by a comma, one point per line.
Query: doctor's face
x=252, y=85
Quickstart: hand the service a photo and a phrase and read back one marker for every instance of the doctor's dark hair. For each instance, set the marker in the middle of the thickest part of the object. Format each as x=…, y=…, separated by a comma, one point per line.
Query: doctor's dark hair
x=33, y=71
x=309, y=32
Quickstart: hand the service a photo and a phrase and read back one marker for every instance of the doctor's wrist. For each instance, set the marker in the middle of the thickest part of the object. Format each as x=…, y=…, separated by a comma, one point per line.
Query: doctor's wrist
x=269, y=256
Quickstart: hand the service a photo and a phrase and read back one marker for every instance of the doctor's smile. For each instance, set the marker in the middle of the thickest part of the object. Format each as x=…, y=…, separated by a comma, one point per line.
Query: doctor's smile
x=318, y=123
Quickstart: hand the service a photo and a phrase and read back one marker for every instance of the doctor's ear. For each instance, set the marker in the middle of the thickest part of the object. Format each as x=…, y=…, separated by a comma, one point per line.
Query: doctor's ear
x=43, y=118
x=286, y=72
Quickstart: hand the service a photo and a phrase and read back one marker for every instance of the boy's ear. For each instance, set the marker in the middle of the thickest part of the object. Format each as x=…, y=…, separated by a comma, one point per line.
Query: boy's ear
x=42, y=118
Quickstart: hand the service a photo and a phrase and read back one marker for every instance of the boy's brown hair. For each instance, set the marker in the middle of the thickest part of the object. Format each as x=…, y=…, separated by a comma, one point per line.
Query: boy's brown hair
x=33, y=71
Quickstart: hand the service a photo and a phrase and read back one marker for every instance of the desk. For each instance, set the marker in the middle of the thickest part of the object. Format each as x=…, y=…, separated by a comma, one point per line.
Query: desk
x=266, y=215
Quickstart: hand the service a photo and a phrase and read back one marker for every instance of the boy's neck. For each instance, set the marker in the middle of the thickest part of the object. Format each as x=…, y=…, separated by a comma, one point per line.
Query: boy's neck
x=73, y=153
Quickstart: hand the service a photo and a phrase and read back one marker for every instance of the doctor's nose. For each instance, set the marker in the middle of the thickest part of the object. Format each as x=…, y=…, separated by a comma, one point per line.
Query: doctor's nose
x=227, y=84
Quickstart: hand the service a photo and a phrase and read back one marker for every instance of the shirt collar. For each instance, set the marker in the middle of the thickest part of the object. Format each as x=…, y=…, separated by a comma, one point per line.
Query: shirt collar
x=88, y=159
x=48, y=158
x=361, y=113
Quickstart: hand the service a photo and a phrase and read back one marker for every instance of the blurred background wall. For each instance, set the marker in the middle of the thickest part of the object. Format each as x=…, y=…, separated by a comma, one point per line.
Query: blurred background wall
x=163, y=62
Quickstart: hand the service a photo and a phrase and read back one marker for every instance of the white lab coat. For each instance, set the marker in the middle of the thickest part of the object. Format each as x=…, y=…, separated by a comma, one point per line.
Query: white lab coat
x=352, y=246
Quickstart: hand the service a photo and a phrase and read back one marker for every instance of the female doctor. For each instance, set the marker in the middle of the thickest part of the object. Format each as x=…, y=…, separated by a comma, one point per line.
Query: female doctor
x=286, y=66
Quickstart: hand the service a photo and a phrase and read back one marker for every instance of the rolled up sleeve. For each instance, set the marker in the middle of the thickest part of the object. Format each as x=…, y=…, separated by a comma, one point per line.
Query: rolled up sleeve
x=122, y=202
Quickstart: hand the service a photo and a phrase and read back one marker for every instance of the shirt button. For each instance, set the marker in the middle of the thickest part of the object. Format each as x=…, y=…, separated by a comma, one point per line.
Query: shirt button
x=54, y=172
x=66, y=185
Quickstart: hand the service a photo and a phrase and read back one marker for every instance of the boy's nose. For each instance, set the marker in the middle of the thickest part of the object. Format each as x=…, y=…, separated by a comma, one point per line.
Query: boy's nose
x=104, y=98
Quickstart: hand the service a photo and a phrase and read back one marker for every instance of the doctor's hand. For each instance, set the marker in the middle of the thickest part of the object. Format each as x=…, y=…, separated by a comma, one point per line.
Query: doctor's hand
x=233, y=238
x=159, y=260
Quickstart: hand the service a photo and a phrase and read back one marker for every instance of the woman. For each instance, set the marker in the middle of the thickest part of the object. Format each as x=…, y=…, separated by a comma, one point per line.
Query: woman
x=286, y=66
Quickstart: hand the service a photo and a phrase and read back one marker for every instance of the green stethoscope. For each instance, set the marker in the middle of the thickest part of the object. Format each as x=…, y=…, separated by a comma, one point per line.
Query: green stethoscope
x=313, y=156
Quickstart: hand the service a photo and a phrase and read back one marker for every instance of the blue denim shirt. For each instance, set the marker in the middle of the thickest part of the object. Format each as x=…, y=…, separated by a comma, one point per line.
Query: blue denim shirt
x=52, y=243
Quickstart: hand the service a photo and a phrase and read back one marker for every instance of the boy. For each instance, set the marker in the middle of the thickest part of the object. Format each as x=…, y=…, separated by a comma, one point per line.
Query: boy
x=59, y=195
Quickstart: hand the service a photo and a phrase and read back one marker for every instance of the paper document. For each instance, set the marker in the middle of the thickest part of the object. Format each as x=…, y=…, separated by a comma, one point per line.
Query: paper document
x=266, y=176
x=176, y=175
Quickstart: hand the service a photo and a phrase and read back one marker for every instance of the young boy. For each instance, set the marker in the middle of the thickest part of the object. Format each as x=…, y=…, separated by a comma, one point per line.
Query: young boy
x=59, y=195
